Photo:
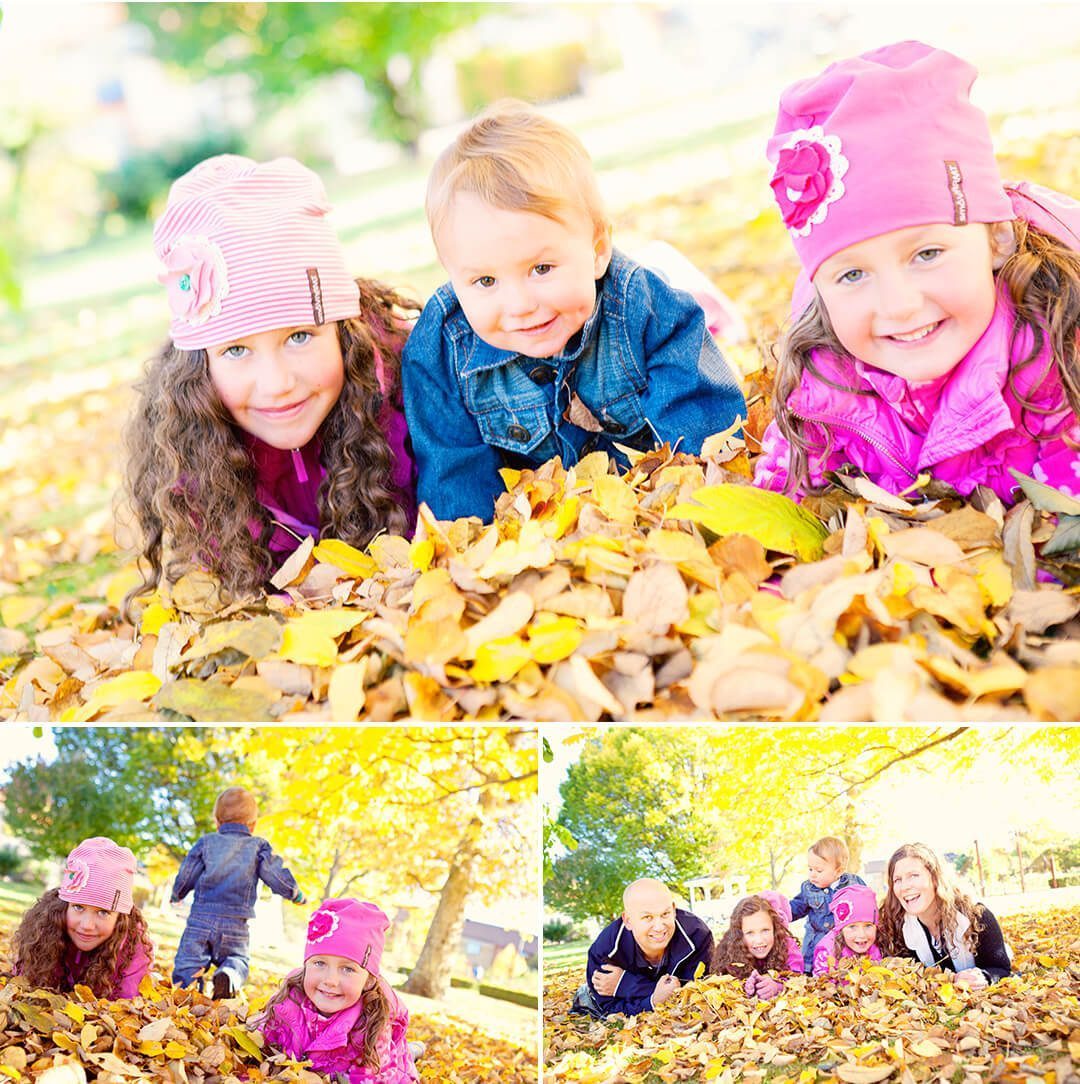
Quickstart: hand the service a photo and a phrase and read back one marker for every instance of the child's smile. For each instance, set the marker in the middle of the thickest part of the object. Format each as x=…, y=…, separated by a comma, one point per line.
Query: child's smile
x=526, y=283
x=913, y=301
x=333, y=983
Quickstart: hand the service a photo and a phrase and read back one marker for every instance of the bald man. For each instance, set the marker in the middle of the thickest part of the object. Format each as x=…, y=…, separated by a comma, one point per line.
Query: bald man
x=642, y=958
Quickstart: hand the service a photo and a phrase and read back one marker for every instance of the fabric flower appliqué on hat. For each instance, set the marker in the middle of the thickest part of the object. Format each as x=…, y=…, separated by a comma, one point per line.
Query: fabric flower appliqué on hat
x=843, y=911
x=76, y=873
x=807, y=178
x=195, y=279
x=321, y=926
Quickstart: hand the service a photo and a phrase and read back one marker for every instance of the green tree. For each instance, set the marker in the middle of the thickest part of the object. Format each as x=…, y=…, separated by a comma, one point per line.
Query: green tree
x=632, y=803
x=282, y=46
x=144, y=787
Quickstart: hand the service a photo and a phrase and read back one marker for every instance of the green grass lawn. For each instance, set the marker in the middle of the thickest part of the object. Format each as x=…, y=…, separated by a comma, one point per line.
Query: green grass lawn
x=565, y=954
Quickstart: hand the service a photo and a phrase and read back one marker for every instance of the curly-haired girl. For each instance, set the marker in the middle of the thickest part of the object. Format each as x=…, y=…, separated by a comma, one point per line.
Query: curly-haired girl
x=274, y=411
x=938, y=311
x=756, y=945
x=88, y=931
x=338, y=1011
x=926, y=917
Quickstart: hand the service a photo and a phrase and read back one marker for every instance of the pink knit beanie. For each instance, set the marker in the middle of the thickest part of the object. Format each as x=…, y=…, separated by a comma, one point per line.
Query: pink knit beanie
x=853, y=903
x=99, y=873
x=779, y=903
x=349, y=928
x=880, y=142
x=247, y=247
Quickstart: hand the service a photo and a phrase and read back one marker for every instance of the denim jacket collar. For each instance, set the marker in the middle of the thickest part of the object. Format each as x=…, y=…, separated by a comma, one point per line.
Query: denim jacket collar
x=482, y=356
x=234, y=826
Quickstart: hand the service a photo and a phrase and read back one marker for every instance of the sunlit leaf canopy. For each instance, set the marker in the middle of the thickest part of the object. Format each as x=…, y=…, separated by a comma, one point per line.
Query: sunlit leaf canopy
x=748, y=802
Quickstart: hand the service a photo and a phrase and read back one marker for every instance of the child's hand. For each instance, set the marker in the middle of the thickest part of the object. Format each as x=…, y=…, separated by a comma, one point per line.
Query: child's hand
x=768, y=987
x=973, y=978
x=667, y=985
x=750, y=986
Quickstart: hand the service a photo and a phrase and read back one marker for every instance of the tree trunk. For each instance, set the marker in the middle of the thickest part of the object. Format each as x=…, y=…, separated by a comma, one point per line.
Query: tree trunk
x=431, y=976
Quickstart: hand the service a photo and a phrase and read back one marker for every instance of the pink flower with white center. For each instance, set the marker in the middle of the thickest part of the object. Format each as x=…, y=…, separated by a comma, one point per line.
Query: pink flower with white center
x=807, y=178
x=195, y=279
x=321, y=926
x=75, y=875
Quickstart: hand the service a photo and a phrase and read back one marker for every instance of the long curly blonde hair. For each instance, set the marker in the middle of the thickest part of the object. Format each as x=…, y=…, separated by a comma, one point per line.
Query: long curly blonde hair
x=363, y=1038
x=1042, y=277
x=732, y=957
x=951, y=902
x=42, y=950
x=190, y=481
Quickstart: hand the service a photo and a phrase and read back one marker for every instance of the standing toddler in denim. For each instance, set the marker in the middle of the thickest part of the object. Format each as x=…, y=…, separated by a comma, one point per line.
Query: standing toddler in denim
x=546, y=341
x=827, y=860
x=225, y=869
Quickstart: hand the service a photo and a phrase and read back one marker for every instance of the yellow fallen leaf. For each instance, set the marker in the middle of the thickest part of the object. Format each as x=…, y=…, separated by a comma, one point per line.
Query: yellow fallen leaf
x=20, y=609
x=552, y=638
x=775, y=520
x=346, y=693
x=154, y=616
x=349, y=559
x=500, y=660
x=310, y=637
x=133, y=685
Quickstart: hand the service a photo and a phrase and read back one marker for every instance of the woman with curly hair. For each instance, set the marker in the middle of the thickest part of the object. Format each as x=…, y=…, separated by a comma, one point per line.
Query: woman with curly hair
x=88, y=931
x=273, y=414
x=926, y=917
x=756, y=946
x=337, y=1011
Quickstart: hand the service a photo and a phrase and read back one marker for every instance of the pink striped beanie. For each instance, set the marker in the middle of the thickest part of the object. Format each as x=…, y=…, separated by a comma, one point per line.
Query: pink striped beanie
x=99, y=873
x=247, y=247
x=880, y=142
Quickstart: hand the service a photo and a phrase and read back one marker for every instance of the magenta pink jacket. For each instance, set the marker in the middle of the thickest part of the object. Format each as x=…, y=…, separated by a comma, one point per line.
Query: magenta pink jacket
x=126, y=983
x=287, y=484
x=967, y=428
x=298, y=1029
x=827, y=949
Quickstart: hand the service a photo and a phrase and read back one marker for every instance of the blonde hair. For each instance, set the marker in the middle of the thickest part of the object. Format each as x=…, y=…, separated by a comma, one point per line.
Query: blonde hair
x=516, y=159
x=236, y=805
x=951, y=902
x=832, y=850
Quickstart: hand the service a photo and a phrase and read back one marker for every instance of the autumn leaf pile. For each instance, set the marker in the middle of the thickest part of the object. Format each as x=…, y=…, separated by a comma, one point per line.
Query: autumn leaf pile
x=894, y=1021
x=179, y=1036
x=676, y=590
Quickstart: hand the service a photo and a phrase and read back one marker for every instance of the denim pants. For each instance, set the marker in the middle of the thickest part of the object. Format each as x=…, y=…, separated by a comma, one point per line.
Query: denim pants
x=212, y=939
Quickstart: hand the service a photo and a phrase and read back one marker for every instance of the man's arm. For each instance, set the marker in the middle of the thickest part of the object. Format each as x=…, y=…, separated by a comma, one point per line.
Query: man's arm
x=634, y=993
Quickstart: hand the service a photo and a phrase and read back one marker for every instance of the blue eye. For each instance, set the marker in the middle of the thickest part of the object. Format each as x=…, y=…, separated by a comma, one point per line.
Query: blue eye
x=854, y=275
x=299, y=338
x=234, y=352
x=927, y=255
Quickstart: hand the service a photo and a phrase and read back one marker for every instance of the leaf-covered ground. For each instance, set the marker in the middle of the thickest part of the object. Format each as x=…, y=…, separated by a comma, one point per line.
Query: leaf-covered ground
x=650, y=596
x=179, y=1036
x=892, y=1022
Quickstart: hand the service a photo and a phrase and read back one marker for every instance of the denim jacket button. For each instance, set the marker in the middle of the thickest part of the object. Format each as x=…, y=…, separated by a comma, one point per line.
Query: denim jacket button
x=517, y=432
x=542, y=374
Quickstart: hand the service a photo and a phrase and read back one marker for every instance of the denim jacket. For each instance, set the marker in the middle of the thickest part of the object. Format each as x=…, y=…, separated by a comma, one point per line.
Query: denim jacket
x=644, y=366
x=225, y=868
x=813, y=904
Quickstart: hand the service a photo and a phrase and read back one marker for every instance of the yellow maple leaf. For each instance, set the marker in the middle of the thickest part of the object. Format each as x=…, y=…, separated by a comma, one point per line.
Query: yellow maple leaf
x=310, y=637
